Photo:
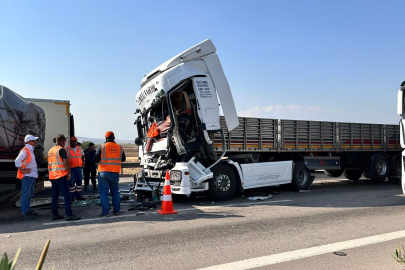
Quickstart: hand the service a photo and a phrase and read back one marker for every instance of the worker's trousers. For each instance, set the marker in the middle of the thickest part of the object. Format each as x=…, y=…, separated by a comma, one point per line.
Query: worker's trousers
x=27, y=191
x=61, y=185
x=87, y=172
x=75, y=184
x=108, y=181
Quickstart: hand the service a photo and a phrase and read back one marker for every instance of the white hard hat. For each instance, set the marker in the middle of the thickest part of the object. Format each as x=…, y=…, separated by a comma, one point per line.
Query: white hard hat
x=30, y=138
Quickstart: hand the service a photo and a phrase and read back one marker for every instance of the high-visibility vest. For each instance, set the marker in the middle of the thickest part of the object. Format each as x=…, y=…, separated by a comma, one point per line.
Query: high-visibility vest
x=56, y=166
x=25, y=162
x=111, y=156
x=74, y=156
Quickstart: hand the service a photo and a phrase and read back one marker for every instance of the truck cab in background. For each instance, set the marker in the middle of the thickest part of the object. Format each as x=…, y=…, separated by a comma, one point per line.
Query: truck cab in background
x=401, y=112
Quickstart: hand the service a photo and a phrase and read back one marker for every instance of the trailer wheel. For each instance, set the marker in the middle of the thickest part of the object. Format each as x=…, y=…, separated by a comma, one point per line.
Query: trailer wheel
x=380, y=168
x=353, y=174
x=223, y=185
x=301, y=177
x=333, y=173
x=396, y=172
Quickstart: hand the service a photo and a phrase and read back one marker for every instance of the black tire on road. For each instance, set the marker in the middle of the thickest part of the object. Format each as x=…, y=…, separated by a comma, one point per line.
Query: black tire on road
x=301, y=177
x=353, y=174
x=333, y=173
x=380, y=168
x=224, y=183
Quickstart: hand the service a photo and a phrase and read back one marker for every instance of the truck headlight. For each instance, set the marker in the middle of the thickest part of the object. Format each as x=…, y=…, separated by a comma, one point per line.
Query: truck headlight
x=175, y=178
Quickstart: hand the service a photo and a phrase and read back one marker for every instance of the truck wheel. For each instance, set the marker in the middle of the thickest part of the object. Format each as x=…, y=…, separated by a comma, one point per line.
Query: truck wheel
x=353, y=174
x=396, y=172
x=380, y=168
x=333, y=173
x=223, y=185
x=301, y=177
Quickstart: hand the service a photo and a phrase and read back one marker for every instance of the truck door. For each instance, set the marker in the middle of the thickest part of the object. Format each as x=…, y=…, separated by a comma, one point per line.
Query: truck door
x=208, y=109
x=224, y=91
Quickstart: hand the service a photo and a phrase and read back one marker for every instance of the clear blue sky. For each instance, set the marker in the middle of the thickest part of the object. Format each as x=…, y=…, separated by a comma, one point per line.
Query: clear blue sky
x=315, y=60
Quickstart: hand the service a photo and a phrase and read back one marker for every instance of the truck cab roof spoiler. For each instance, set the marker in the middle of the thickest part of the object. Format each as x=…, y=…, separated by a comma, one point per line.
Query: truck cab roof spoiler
x=201, y=49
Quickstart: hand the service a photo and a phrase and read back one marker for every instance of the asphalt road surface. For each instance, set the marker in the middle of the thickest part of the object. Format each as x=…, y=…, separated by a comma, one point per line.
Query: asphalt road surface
x=339, y=224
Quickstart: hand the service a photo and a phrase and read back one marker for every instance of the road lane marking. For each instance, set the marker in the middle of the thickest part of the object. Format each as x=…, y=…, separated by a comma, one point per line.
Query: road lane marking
x=306, y=252
x=178, y=210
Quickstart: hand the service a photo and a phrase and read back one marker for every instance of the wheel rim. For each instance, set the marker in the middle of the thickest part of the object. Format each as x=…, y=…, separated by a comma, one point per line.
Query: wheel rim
x=381, y=167
x=222, y=183
x=301, y=177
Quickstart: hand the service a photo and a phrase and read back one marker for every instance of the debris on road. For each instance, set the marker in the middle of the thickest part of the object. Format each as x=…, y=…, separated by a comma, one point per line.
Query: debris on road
x=339, y=253
x=261, y=198
x=304, y=190
x=8, y=236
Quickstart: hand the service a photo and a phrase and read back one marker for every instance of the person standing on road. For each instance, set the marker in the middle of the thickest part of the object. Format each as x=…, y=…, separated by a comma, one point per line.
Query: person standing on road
x=76, y=157
x=27, y=173
x=59, y=174
x=109, y=156
x=89, y=167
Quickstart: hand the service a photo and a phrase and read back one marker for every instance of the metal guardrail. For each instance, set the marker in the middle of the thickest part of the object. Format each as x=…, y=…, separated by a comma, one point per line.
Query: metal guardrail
x=129, y=165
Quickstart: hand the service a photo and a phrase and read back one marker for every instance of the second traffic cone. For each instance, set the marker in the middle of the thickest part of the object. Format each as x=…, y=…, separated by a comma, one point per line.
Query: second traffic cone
x=167, y=203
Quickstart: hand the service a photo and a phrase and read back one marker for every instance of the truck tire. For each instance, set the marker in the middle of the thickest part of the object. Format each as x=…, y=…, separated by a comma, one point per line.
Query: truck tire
x=353, y=174
x=333, y=173
x=380, y=168
x=301, y=177
x=396, y=171
x=223, y=185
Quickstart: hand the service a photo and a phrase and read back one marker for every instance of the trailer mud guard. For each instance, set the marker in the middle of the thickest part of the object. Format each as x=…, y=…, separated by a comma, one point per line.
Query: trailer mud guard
x=322, y=163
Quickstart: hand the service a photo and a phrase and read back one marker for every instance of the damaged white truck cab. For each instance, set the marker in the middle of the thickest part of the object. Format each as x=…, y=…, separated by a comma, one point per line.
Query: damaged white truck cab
x=181, y=98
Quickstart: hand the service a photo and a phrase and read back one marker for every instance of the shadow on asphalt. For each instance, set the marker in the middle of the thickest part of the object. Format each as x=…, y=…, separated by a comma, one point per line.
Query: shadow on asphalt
x=325, y=193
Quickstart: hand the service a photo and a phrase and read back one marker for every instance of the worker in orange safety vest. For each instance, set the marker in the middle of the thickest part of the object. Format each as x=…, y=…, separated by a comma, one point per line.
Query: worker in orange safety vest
x=28, y=173
x=109, y=156
x=76, y=157
x=59, y=174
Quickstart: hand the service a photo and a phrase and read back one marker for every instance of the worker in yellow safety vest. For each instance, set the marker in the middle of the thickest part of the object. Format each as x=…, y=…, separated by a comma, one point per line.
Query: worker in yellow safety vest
x=27, y=172
x=109, y=156
x=59, y=174
x=76, y=157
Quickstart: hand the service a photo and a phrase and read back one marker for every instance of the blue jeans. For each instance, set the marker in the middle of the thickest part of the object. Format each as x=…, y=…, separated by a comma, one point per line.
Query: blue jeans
x=27, y=191
x=75, y=184
x=62, y=185
x=108, y=181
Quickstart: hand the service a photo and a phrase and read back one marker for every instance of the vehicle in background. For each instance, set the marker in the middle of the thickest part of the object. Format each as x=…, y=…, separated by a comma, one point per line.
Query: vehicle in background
x=43, y=118
x=401, y=112
x=180, y=129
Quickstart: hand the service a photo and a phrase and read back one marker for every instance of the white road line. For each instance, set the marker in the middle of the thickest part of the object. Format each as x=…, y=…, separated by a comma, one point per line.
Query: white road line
x=306, y=252
x=179, y=210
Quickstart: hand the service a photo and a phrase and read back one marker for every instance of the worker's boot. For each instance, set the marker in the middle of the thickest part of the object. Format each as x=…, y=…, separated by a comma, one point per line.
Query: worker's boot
x=27, y=216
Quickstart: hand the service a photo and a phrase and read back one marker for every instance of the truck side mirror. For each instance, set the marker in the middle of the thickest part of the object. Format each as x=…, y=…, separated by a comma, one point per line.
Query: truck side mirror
x=400, y=105
x=138, y=141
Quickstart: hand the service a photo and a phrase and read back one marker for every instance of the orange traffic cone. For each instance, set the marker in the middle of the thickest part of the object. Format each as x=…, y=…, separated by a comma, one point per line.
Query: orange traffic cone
x=167, y=203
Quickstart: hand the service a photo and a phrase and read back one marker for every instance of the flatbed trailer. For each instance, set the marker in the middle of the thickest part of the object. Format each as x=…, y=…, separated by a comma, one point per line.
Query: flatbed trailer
x=331, y=146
